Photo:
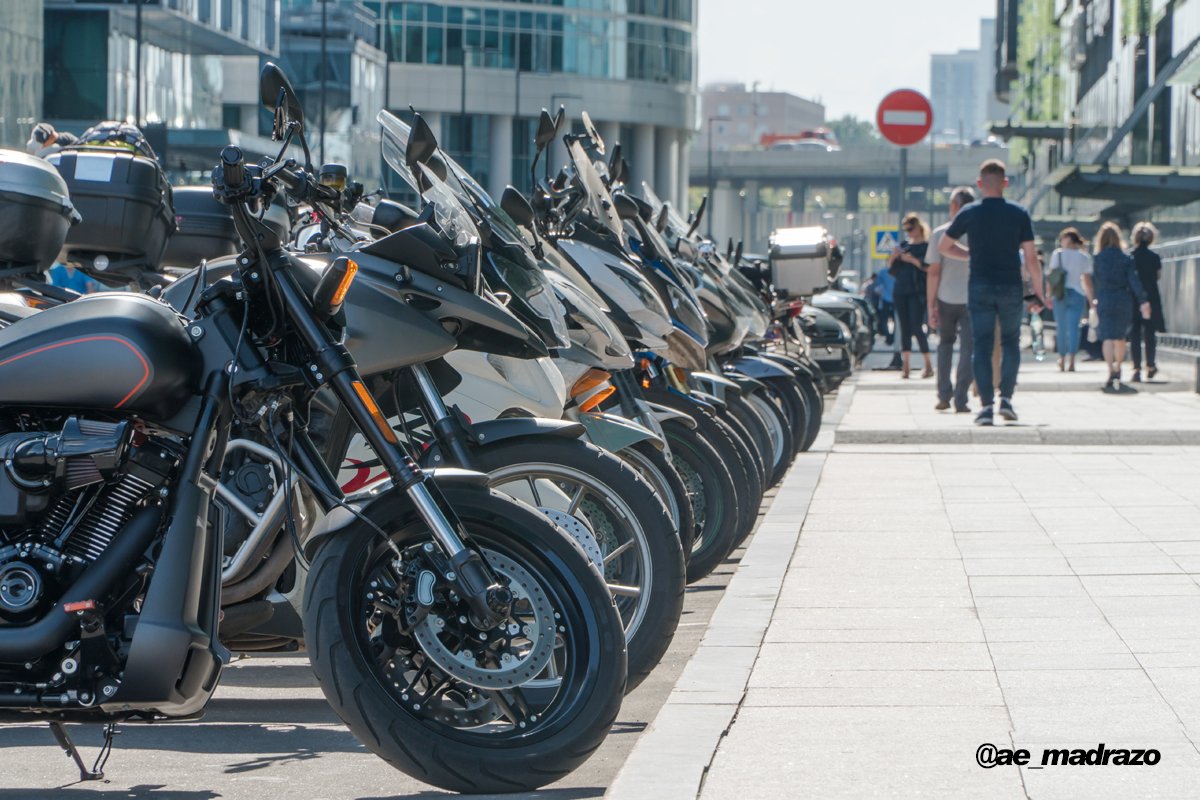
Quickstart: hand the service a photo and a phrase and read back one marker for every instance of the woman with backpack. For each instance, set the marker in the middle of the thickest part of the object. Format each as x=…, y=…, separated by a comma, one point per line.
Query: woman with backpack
x=1070, y=280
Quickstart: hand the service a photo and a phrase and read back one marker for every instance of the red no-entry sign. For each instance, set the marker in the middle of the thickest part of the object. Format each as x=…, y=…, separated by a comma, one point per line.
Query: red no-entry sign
x=904, y=117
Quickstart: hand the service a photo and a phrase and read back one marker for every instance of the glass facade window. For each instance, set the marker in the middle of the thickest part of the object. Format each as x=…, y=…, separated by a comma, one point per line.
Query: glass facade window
x=76, y=65
x=535, y=41
x=467, y=143
x=523, y=152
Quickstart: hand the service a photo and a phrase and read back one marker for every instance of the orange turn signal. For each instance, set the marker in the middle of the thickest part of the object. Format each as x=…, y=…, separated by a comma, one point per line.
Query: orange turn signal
x=376, y=414
x=589, y=381
x=597, y=398
x=340, y=294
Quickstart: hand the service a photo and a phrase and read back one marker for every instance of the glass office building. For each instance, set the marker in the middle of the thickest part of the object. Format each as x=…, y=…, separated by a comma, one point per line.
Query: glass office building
x=20, y=70
x=481, y=72
x=91, y=52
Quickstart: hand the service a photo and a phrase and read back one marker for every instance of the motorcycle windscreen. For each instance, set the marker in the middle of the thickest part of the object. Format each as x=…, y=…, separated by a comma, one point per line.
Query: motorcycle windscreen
x=623, y=286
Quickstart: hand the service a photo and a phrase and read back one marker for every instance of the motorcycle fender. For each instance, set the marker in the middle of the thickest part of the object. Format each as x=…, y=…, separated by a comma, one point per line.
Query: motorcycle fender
x=383, y=493
x=613, y=433
x=663, y=413
x=716, y=385
x=708, y=399
x=497, y=430
x=746, y=385
x=760, y=367
x=802, y=365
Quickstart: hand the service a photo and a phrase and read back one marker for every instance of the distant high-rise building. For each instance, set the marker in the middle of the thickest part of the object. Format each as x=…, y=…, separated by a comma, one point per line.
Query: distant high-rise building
x=748, y=114
x=961, y=90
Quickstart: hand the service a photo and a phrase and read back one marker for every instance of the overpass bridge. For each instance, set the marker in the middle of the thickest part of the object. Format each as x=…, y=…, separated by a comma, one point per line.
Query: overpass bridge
x=738, y=175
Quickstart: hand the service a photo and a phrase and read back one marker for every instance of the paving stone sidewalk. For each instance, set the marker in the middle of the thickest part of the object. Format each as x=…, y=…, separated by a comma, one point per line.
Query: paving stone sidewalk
x=943, y=596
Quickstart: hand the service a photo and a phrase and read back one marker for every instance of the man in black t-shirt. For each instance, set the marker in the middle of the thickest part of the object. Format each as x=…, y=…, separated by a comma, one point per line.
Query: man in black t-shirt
x=1000, y=232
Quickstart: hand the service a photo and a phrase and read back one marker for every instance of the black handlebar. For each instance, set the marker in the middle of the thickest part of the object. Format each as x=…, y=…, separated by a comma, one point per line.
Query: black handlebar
x=233, y=166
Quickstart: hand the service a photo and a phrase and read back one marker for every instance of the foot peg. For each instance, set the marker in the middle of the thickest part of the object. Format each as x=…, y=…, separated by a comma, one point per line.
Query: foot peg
x=64, y=741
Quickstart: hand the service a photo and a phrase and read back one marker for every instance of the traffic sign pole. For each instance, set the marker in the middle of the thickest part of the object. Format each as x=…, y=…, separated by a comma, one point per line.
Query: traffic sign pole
x=904, y=118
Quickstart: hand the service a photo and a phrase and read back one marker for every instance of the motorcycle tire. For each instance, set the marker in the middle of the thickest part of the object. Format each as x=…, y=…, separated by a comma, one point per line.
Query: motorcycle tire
x=732, y=452
x=752, y=461
x=638, y=542
x=786, y=394
x=758, y=438
x=575, y=706
x=779, y=432
x=655, y=466
x=816, y=405
x=713, y=495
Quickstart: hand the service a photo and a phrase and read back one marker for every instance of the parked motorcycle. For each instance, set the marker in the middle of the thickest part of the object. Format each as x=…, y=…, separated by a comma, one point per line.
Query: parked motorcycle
x=458, y=633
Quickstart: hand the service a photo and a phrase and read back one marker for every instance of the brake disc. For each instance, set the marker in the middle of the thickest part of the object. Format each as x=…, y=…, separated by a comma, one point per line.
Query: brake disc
x=526, y=638
x=579, y=531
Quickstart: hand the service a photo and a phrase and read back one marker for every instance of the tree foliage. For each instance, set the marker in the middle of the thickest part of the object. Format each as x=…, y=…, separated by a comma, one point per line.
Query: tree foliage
x=852, y=130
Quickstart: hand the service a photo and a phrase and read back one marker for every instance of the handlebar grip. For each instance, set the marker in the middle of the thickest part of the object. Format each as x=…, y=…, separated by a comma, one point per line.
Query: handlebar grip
x=233, y=166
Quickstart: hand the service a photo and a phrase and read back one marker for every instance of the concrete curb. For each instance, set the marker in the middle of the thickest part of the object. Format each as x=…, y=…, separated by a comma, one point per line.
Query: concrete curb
x=1019, y=435
x=671, y=758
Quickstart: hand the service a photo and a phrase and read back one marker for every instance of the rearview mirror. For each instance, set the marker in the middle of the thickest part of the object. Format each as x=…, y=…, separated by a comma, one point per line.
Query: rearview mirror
x=699, y=216
x=626, y=207
x=616, y=165
x=517, y=207
x=559, y=119
x=421, y=144
x=592, y=133
x=545, y=131
x=276, y=93
x=737, y=254
x=661, y=223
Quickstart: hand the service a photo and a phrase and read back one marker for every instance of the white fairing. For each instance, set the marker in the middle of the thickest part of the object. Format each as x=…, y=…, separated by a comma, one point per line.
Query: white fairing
x=534, y=387
x=492, y=385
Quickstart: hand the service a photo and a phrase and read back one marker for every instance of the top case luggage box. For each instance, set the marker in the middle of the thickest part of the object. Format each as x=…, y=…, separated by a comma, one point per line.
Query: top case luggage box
x=36, y=210
x=126, y=205
x=800, y=260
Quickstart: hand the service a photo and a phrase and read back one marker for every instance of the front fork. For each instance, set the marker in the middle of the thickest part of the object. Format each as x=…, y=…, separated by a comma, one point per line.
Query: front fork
x=489, y=600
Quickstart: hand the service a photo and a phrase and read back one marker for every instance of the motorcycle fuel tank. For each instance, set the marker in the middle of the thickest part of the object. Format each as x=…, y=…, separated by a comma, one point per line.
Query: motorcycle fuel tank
x=112, y=351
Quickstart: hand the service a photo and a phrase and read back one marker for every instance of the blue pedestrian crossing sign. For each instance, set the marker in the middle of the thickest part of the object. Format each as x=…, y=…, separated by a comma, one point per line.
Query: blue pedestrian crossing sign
x=884, y=239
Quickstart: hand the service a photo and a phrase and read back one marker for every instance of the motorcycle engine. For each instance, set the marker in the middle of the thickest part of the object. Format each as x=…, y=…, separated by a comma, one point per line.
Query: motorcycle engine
x=63, y=497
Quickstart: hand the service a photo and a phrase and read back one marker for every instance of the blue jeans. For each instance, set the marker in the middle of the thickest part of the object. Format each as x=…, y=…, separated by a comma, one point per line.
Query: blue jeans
x=1067, y=313
x=986, y=305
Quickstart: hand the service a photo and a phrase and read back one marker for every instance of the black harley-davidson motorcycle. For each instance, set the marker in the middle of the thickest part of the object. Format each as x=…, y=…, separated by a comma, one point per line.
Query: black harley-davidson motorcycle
x=457, y=632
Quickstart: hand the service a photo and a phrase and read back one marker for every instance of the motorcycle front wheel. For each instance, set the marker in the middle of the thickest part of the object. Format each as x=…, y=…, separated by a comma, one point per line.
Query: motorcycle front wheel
x=580, y=486
x=506, y=710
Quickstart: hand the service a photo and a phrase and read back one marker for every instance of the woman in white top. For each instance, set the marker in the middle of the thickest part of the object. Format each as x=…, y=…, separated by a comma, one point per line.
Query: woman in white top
x=1073, y=259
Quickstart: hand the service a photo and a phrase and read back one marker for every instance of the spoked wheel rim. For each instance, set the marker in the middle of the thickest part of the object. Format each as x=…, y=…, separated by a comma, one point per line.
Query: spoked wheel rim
x=772, y=425
x=614, y=527
x=694, y=485
x=524, y=694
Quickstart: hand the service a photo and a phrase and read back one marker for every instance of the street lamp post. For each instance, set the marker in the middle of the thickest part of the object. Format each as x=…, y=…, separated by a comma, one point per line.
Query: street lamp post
x=324, y=33
x=711, y=199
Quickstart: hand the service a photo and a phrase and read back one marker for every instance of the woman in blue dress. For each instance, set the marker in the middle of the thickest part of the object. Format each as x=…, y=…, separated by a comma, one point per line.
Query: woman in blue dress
x=1116, y=284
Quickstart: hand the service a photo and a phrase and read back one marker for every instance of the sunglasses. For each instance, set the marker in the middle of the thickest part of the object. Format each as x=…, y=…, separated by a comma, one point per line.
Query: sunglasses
x=909, y=228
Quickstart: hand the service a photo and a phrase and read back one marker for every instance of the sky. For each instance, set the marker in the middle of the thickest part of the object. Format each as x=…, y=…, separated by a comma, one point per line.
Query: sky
x=847, y=53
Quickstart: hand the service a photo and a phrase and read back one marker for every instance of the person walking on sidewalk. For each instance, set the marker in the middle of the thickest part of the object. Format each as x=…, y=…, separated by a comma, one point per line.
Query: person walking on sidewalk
x=907, y=265
x=947, y=299
x=1149, y=270
x=1076, y=280
x=999, y=232
x=1117, y=284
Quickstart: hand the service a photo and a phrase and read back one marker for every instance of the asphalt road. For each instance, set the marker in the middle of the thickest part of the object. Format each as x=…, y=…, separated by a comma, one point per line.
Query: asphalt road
x=269, y=732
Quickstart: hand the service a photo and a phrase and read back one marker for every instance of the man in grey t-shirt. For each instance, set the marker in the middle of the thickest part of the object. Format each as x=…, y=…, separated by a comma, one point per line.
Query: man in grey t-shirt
x=947, y=295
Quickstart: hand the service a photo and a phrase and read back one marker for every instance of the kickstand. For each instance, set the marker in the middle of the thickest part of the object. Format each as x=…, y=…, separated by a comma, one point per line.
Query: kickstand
x=64, y=741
